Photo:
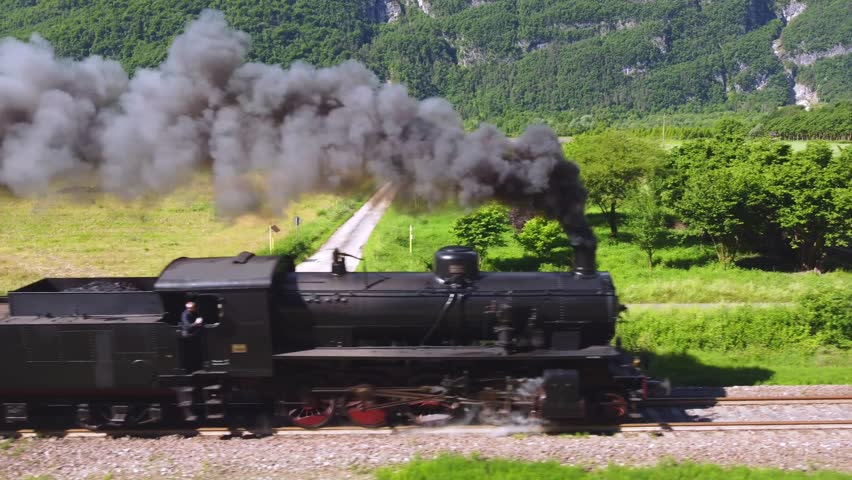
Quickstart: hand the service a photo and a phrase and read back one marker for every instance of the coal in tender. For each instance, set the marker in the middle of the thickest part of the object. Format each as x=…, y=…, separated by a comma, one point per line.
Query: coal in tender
x=104, y=286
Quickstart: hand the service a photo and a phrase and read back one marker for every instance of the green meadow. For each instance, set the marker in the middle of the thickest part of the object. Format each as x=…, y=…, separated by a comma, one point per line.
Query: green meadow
x=454, y=467
x=84, y=234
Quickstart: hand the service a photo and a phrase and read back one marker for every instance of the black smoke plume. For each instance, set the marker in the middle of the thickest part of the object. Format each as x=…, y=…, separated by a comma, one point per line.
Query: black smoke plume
x=301, y=129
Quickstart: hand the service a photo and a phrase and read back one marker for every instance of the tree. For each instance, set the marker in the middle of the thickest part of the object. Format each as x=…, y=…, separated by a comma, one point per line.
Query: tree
x=730, y=130
x=612, y=164
x=718, y=188
x=546, y=239
x=647, y=220
x=813, y=192
x=720, y=203
x=483, y=228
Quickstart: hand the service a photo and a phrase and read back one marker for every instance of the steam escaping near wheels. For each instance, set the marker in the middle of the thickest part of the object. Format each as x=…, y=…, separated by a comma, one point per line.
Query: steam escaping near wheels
x=267, y=133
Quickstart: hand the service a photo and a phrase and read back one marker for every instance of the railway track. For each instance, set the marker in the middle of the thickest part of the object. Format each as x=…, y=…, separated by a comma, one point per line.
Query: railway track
x=485, y=430
x=704, y=401
x=488, y=430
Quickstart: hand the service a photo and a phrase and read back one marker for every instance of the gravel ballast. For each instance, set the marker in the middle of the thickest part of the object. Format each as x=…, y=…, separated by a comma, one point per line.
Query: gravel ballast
x=354, y=456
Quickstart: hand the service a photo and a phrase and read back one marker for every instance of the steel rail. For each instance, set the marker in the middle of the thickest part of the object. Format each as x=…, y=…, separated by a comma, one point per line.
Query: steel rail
x=538, y=429
x=467, y=430
x=716, y=401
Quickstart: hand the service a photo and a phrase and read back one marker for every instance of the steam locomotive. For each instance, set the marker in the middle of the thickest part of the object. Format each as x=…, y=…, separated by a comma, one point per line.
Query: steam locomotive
x=368, y=348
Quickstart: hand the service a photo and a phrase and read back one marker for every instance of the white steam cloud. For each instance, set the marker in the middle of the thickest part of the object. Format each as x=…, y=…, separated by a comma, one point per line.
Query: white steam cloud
x=300, y=129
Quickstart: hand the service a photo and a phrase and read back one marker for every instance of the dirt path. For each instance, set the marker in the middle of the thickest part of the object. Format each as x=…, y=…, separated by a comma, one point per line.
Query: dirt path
x=353, y=235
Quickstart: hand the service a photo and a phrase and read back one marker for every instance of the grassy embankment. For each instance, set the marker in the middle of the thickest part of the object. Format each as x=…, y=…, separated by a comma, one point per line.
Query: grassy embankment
x=94, y=235
x=452, y=467
x=706, y=346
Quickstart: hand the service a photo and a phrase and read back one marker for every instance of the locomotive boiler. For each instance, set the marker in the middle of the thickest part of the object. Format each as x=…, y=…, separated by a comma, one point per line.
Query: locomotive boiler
x=370, y=348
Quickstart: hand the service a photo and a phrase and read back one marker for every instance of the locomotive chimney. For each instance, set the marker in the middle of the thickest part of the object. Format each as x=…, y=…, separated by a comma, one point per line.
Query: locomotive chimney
x=583, y=241
x=584, y=258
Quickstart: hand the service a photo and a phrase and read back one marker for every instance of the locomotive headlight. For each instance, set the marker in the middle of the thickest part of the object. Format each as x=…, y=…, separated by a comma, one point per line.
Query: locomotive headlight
x=637, y=362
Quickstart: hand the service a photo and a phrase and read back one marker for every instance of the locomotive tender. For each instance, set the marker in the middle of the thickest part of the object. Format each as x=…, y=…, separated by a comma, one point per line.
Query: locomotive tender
x=376, y=348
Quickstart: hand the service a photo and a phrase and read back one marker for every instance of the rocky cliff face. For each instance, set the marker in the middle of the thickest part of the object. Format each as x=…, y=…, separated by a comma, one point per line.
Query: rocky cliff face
x=792, y=10
x=803, y=55
x=391, y=10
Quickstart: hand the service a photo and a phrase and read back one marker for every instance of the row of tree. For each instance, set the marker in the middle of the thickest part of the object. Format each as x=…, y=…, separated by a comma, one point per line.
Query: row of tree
x=736, y=193
x=830, y=122
x=826, y=122
x=761, y=195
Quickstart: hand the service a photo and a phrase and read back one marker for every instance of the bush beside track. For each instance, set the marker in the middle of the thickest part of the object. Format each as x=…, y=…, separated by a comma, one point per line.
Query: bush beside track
x=821, y=320
x=803, y=344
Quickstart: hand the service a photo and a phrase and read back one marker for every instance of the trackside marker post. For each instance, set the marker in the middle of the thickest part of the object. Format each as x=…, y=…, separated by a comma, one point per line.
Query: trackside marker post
x=410, y=239
x=275, y=229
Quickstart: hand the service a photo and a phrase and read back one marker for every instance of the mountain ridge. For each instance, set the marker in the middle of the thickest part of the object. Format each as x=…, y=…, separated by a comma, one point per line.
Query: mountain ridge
x=497, y=58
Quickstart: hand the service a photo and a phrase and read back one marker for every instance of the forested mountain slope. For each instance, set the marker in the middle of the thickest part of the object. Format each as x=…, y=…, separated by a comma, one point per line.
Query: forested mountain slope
x=499, y=58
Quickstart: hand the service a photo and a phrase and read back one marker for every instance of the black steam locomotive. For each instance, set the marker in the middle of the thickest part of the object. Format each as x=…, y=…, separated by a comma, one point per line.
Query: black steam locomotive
x=308, y=348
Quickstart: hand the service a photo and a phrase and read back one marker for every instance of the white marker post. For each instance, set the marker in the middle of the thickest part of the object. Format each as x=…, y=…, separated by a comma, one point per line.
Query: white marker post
x=272, y=228
x=410, y=239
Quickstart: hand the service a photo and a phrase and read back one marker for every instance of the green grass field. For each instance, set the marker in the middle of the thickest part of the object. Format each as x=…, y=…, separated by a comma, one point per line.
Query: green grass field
x=94, y=235
x=453, y=467
x=686, y=272
x=752, y=367
x=741, y=345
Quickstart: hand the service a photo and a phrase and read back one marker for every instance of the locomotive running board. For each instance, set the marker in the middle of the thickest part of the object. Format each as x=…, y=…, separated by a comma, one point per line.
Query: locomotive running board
x=446, y=353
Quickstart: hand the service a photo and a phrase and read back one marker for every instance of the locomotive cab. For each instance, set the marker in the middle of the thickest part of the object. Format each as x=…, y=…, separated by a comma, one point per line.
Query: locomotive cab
x=232, y=294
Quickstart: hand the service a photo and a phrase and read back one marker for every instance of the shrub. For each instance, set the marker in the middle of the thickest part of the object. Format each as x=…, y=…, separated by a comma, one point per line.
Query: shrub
x=822, y=319
x=483, y=228
x=828, y=313
x=546, y=240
